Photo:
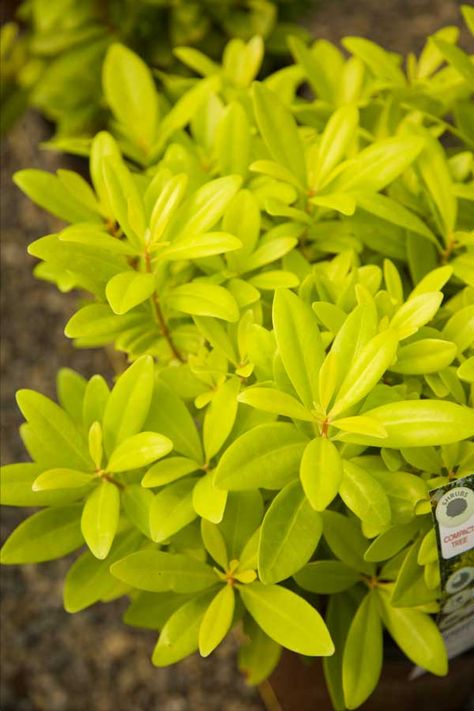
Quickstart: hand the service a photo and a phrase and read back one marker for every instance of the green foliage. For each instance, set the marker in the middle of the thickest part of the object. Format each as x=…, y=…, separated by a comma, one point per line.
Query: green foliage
x=291, y=279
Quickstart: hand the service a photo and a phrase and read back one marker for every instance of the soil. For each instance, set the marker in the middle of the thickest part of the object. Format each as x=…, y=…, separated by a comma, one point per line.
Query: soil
x=52, y=661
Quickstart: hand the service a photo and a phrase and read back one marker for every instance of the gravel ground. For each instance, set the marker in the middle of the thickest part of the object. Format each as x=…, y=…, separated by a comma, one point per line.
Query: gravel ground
x=52, y=661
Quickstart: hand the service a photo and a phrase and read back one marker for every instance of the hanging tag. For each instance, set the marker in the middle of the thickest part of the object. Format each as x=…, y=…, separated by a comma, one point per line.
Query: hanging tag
x=453, y=517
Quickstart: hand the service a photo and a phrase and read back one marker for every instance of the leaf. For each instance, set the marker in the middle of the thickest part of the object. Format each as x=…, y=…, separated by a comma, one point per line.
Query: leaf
x=321, y=472
x=299, y=343
x=130, y=92
x=204, y=299
x=266, y=456
x=88, y=579
x=390, y=542
x=232, y=143
x=287, y=618
x=166, y=206
x=416, y=634
x=220, y=417
x=169, y=415
x=363, y=495
x=339, y=133
x=391, y=211
x=180, y=636
x=129, y=289
x=47, y=191
x=291, y=530
x=71, y=389
x=208, y=501
x=365, y=371
x=16, y=487
x=428, y=355
x=345, y=539
x=138, y=451
x=382, y=64
x=272, y=400
x=156, y=571
x=136, y=502
x=340, y=613
x=61, y=479
x=416, y=312
x=258, y=655
x=172, y=509
x=168, y=470
x=56, y=429
x=410, y=588
x=434, y=169
x=204, y=208
x=378, y=165
x=363, y=653
x=214, y=543
x=153, y=610
x=128, y=403
x=45, y=535
x=203, y=245
x=100, y=518
x=95, y=400
x=243, y=514
x=326, y=577
x=279, y=131
x=418, y=423
x=217, y=621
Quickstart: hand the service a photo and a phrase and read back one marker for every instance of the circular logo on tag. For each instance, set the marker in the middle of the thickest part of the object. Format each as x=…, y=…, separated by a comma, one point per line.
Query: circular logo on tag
x=455, y=507
x=459, y=580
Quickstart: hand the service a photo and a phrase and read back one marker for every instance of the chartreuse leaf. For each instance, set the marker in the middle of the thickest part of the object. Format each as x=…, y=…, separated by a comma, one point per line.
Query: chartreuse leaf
x=61, y=479
x=321, y=472
x=291, y=530
x=287, y=618
x=243, y=514
x=214, y=542
x=466, y=370
x=180, y=636
x=345, y=539
x=337, y=136
x=47, y=191
x=299, y=343
x=265, y=456
x=128, y=289
x=361, y=424
x=208, y=501
x=418, y=423
x=169, y=415
x=220, y=417
x=100, y=518
x=233, y=140
x=429, y=355
x=258, y=655
x=202, y=245
x=378, y=165
x=138, y=451
x=88, y=579
x=279, y=131
x=339, y=618
x=416, y=634
x=272, y=400
x=410, y=588
x=56, y=429
x=436, y=175
x=416, y=312
x=363, y=495
x=172, y=509
x=363, y=653
x=326, y=577
x=136, y=502
x=16, y=487
x=391, y=211
x=71, y=389
x=95, y=444
x=128, y=403
x=153, y=610
x=365, y=371
x=168, y=470
x=95, y=399
x=166, y=206
x=390, y=542
x=204, y=299
x=130, y=92
x=45, y=535
x=217, y=621
x=156, y=571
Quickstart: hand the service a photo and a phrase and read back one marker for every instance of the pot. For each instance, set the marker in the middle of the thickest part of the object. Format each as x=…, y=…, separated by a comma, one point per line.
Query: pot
x=298, y=685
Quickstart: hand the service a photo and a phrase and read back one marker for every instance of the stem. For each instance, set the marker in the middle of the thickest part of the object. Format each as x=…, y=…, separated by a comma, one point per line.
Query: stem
x=160, y=319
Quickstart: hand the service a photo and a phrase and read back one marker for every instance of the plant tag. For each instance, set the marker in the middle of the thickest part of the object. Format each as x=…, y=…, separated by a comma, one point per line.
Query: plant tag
x=453, y=515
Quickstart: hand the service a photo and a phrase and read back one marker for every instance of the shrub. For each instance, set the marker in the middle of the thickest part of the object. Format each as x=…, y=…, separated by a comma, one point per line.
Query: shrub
x=53, y=59
x=288, y=266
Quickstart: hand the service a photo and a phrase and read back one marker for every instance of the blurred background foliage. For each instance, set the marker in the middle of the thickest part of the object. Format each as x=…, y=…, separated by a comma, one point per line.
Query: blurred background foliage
x=52, y=51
